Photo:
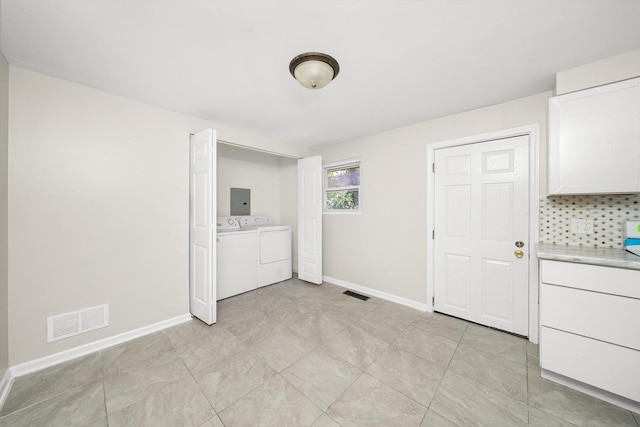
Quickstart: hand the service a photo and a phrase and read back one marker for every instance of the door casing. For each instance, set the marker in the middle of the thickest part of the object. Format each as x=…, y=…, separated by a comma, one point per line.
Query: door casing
x=533, y=131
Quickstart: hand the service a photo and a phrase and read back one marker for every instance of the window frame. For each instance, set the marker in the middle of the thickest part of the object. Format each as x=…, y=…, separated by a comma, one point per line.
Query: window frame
x=343, y=164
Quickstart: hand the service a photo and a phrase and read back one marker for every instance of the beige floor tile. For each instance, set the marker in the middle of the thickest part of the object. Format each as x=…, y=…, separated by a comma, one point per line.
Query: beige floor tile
x=575, y=407
x=433, y=419
x=466, y=402
x=287, y=314
x=213, y=422
x=432, y=347
x=80, y=406
x=294, y=289
x=230, y=379
x=399, y=312
x=135, y=351
x=283, y=348
x=201, y=345
x=493, y=371
x=325, y=421
x=320, y=377
x=355, y=346
x=271, y=301
x=47, y=383
x=409, y=374
x=319, y=326
x=252, y=330
x=340, y=302
x=445, y=320
x=125, y=386
x=440, y=325
x=496, y=342
x=167, y=404
x=275, y=403
x=369, y=402
x=233, y=312
x=383, y=325
x=538, y=418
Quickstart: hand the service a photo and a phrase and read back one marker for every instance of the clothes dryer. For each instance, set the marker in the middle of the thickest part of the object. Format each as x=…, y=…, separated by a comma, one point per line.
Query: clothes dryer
x=274, y=249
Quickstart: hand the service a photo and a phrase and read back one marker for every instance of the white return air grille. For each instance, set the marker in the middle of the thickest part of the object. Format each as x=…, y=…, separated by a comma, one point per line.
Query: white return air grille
x=77, y=322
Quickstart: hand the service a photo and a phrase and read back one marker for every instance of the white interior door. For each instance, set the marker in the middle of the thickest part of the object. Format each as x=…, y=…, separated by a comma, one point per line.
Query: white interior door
x=310, y=219
x=202, y=227
x=481, y=222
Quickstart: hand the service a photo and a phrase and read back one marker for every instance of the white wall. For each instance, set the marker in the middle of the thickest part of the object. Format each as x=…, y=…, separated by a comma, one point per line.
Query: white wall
x=259, y=172
x=4, y=151
x=609, y=70
x=384, y=248
x=98, y=207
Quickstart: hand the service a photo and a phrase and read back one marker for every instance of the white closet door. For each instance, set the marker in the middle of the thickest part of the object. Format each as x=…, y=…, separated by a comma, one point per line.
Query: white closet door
x=202, y=227
x=482, y=233
x=310, y=219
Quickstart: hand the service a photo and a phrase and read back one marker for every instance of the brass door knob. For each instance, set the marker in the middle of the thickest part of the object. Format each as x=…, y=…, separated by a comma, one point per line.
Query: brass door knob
x=518, y=253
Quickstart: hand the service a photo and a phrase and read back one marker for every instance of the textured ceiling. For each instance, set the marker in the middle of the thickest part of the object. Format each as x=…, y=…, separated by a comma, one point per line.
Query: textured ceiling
x=401, y=62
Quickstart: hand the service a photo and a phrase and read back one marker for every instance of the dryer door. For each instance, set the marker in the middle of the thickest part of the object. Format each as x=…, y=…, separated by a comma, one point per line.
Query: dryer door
x=275, y=246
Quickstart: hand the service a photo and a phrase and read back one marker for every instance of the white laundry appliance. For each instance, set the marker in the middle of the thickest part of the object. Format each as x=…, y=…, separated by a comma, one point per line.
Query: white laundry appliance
x=274, y=249
x=237, y=258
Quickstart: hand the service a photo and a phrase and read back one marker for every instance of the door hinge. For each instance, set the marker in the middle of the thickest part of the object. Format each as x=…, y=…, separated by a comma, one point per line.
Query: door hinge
x=433, y=301
x=433, y=234
x=433, y=167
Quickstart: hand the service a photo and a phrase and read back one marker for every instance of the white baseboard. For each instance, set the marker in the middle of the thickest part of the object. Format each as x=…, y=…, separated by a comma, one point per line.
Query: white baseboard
x=379, y=294
x=5, y=386
x=620, y=401
x=63, y=356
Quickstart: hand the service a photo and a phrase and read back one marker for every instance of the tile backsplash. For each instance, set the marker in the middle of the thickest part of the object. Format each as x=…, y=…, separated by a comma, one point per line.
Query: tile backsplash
x=608, y=213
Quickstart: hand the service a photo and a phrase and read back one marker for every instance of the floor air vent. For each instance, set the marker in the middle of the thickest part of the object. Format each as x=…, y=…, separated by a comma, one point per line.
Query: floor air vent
x=77, y=322
x=356, y=295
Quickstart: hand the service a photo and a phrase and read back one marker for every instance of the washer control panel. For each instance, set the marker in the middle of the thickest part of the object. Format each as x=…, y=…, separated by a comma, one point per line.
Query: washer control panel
x=227, y=223
x=254, y=221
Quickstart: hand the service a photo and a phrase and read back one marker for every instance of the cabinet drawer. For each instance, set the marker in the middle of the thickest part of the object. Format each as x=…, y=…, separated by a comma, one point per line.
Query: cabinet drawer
x=607, y=366
x=617, y=281
x=604, y=317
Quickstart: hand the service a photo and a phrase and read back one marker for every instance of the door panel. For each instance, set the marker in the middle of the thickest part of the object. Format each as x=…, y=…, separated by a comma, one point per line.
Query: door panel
x=458, y=278
x=202, y=230
x=482, y=208
x=310, y=219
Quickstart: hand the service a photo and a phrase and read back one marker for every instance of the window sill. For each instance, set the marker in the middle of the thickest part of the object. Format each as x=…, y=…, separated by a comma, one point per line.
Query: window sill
x=341, y=212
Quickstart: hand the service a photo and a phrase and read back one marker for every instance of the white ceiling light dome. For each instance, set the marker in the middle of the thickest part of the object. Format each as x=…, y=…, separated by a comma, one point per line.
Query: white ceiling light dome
x=314, y=70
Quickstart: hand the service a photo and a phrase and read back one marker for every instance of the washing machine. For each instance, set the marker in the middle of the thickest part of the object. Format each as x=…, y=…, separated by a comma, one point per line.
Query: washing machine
x=237, y=258
x=274, y=249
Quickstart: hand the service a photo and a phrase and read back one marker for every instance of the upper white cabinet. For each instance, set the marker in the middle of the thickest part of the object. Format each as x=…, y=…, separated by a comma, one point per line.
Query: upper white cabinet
x=594, y=140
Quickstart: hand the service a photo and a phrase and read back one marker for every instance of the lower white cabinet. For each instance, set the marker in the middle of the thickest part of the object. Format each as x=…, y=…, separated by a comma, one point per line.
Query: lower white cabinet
x=609, y=367
x=590, y=325
x=237, y=264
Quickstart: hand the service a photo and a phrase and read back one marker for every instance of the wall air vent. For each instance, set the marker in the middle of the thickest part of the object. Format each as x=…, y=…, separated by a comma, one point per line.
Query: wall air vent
x=77, y=322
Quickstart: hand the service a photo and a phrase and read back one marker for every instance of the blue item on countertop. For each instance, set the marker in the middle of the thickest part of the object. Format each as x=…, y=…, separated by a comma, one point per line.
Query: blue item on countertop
x=632, y=245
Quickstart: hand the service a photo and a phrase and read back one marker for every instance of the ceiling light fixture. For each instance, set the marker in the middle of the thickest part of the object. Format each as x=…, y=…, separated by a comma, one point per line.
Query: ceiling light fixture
x=314, y=70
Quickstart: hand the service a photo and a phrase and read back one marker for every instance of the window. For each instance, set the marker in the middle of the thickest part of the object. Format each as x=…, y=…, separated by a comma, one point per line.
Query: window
x=342, y=187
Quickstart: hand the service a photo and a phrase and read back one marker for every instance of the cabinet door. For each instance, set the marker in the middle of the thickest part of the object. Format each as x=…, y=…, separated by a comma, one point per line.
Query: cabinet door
x=594, y=140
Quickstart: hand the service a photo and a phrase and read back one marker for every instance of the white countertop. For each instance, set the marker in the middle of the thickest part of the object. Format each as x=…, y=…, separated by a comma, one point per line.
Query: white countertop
x=588, y=255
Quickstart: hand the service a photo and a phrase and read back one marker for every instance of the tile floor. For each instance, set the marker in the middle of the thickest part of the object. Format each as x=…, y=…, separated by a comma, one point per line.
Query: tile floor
x=298, y=354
